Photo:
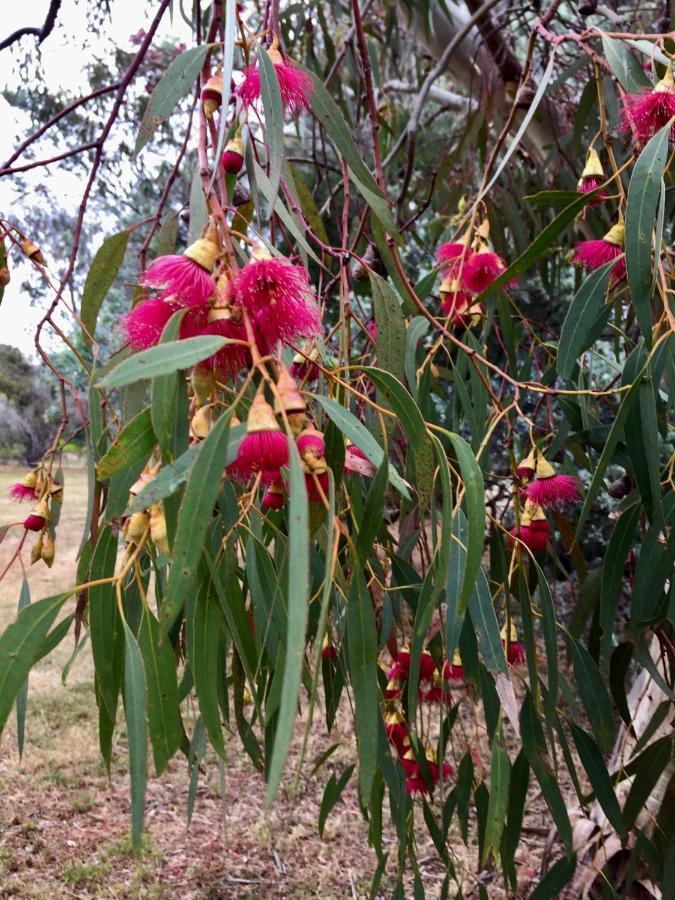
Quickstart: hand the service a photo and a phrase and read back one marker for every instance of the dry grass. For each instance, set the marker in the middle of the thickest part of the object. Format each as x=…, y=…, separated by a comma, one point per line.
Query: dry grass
x=64, y=823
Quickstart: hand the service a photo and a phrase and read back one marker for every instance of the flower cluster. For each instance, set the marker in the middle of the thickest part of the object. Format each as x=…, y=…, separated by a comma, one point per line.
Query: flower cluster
x=40, y=488
x=542, y=488
x=466, y=272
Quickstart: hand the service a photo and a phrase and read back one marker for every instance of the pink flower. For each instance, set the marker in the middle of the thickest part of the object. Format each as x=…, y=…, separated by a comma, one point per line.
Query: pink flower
x=277, y=295
x=587, y=186
x=143, y=325
x=594, y=254
x=232, y=358
x=453, y=257
x=357, y=462
x=648, y=111
x=393, y=689
x=535, y=535
x=311, y=440
x=396, y=729
x=34, y=522
x=481, y=270
x=317, y=486
x=515, y=653
x=454, y=302
x=592, y=177
x=185, y=279
x=295, y=86
x=453, y=671
x=265, y=447
x=557, y=490
x=20, y=492
x=273, y=498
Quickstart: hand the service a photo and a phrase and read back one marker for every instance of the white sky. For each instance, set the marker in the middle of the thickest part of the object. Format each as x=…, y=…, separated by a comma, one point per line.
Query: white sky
x=63, y=67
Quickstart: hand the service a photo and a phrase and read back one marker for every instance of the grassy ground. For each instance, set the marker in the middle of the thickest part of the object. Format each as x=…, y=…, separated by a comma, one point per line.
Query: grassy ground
x=64, y=823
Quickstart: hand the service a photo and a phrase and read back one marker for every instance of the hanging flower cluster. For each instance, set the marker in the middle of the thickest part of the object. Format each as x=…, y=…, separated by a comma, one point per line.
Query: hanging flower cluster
x=592, y=177
x=467, y=270
x=38, y=487
x=542, y=488
x=295, y=86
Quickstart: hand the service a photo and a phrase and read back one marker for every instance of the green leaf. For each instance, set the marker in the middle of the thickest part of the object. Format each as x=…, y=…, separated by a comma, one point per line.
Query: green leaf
x=167, y=480
x=19, y=644
x=620, y=542
x=474, y=488
x=484, y=618
x=362, y=646
x=274, y=122
x=540, y=244
x=159, y=663
x=555, y=879
x=642, y=441
x=552, y=198
x=163, y=359
x=288, y=218
x=390, y=340
x=104, y=268
x=357, y=432
x=592, y=761
x=536, y=751
x=627, y=70
x=105, y=627
x=22, y=695
x=194, y=515
x=593, y=693
x=134, y=709
x=371, y=520
x=643, y=198
x=585, y=318
x=500, y=773
x=167, y=418
x=417, y=328
x=134, y=443
x=166, y=240
x=297, y=599
x=414, y=426
x=179, y=78
x=648, y=768
x=204, y=662
x=331, y=795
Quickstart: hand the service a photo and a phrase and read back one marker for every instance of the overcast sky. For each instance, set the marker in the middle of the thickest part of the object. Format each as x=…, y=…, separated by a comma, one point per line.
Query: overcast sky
x=62, y=65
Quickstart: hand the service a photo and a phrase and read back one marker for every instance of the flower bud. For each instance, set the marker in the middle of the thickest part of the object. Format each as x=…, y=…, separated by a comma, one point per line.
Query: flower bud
x=39, y=517
x=36, y=551
x=233, y=155
x=212, y=95
x=33, y=252
x=202, y=423
x=47, y=552
x=136, y=527
x=158, y=531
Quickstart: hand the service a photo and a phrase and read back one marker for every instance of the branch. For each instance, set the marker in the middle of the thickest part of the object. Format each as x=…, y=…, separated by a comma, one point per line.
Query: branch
x=56, y=118
x=455, y=102
x=41, y=33
x=46, y=162
x=493, y=38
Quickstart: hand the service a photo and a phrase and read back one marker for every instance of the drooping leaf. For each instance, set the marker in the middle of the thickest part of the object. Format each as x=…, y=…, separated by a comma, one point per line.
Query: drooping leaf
x=163, y=359
x=134, y=709
x=592, y=761
x=22, y=695
x=585, y=318
x=166, y=732
x=179, y=78
x=274, y=122
x=593, y=693
x=102, y=273
x=297, y=597
x=135, y=442
x=194, y=515
x=644, y=192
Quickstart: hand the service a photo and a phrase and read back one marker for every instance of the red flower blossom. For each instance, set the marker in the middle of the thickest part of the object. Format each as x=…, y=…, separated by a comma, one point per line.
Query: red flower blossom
x=295, y=86
x=558, y=490
x=526, y=467
x=535, y=539
x=592, y=177
x=453, y=257
x=316, y=484
x=185, y=279
x=397, y=671
x=278, y=297
x=393, y=690
x=232, y=358
x=274, y=497
x=594, y=254
x=233, y=156
x=454, y=300
x=434, y=691
x=143, y=325
x=311, y=440
x=20, y=491
x=328, y=648
x=265, y=446
x=648, y=111
x=481, y=270
x=357, y=462
x=396, y=730
x=34, y=522
x=515, y=653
